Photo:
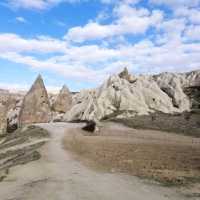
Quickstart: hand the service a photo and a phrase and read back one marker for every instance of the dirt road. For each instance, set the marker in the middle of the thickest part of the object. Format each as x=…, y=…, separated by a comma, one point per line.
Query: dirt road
x=57, y=176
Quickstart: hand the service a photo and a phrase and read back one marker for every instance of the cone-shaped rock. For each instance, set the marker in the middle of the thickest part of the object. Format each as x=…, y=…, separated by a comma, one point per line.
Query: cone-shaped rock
x=36, y=106
x=63, y=101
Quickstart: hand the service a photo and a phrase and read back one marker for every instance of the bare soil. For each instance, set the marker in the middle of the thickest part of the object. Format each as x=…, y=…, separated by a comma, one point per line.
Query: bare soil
x=58, y=176
x=173, y=160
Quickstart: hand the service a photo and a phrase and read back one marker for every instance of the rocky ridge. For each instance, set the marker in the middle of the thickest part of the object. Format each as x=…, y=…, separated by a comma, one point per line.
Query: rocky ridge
x=121, y=96
x=124, y=98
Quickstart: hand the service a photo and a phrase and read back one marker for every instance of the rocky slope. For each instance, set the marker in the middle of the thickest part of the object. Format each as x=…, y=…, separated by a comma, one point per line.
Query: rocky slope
x=124, y=95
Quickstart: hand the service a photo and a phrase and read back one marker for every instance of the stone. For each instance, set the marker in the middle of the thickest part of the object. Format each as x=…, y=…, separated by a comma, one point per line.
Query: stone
x=63, y=101
x=172, y=84
x=4, y=99
x=125, y=75
x=36, y=106
x=13, y=115
x=3, y=121
x=90, y=126
x=118, y=97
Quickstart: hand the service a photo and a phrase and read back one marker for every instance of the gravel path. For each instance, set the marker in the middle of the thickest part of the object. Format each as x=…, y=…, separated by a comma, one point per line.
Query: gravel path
x=57, y=176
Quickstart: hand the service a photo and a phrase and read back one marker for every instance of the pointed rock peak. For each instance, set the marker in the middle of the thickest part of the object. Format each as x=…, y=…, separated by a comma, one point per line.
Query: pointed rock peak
x=124, y=73
x=64, y=90
x=38, y=82
x=39, y=79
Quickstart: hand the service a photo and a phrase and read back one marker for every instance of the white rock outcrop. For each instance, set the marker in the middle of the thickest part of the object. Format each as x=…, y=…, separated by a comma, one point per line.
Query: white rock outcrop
x=173, y=84
x=119, y=96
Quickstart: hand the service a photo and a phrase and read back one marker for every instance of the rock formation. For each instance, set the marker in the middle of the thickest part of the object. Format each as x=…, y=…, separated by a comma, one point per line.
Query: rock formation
x=63, y=101
x=5, y=103
x=35, y=106
x=120, y=97
x=125, y=75
x=192, y=88
x=3, y=122
x=13, y=115
x=172, y=85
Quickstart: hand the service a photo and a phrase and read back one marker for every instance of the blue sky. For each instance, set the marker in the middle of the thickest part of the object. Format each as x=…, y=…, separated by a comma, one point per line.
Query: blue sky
x=81, y=42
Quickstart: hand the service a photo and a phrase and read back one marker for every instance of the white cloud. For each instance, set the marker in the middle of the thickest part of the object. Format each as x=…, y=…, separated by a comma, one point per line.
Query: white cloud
x=60, y=23
x=15, y=43
x=193, y=33
x=120, y=1
x=177, y=3
x=93, y=63
x=36, y=4
x=21, y=20
x=129, y=21
x=192, y=15
x=15, y=87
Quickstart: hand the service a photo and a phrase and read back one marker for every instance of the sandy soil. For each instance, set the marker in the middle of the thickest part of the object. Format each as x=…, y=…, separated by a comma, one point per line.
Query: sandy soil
x=57, y=176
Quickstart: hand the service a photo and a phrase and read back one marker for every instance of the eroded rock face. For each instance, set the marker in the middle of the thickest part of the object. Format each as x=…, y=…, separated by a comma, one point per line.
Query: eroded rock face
x=172, y=85
x=9, y=109
x=35, y=107
x=3, y=121
x=192, y=88
x=63, y=101
x=125, y=75
x=13, y=115
x=122, y=98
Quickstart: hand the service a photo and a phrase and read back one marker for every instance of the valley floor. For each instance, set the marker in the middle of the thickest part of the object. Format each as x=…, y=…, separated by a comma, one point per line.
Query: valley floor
x=59, y=176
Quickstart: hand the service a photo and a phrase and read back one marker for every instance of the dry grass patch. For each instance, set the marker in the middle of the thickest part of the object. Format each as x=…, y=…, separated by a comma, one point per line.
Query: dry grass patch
x=172, y=163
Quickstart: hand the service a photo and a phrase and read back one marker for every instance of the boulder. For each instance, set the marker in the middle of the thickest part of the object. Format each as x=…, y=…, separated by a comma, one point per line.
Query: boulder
x=35, y=107
x=63, y=101
x=90, y=126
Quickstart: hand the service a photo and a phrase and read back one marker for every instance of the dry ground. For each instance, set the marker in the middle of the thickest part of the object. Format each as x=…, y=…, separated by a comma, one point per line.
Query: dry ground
x=168, y=158
x=58, y=176
x=20, y=147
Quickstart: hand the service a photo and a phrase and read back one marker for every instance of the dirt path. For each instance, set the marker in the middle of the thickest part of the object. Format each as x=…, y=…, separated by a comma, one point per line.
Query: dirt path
x=57, y=176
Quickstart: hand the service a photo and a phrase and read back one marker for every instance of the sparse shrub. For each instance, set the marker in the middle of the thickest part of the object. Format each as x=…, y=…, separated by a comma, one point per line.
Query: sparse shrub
x=90, y=126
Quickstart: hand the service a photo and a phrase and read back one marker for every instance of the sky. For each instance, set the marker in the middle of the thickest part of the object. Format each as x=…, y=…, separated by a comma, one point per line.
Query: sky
x=80, y=43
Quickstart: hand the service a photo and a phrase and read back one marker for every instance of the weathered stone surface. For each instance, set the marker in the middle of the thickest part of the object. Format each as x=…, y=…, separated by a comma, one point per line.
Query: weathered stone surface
x=9, y=107
x=3, y=122
x=4, y=100
x=35, y=106
x=122, y=98
x=125, y=75
x=192, y=88
x=172, y=84
x=63, y=101
x=13, y=115
x=193, y=78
